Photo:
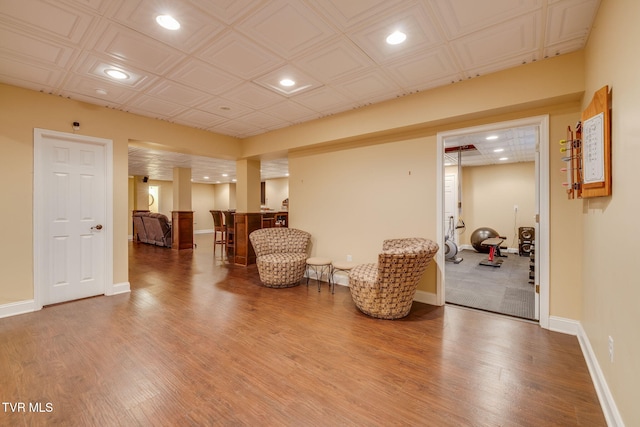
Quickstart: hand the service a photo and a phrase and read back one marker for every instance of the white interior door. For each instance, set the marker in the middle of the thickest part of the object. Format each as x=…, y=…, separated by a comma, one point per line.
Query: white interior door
x=70, y=203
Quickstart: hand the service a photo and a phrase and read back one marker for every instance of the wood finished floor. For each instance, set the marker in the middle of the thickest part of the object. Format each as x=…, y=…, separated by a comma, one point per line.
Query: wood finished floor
x=199, y=343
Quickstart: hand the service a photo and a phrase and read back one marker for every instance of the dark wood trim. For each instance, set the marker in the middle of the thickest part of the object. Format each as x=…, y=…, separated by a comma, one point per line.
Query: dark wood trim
x=182, y=229
x=245, y=224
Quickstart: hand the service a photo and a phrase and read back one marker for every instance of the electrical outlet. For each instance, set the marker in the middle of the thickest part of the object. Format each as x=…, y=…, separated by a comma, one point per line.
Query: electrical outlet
x=349, y=259
x=611, y=348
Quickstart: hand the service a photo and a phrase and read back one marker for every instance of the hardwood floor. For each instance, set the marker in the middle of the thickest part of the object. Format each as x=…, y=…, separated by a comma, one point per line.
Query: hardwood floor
x=201, y=343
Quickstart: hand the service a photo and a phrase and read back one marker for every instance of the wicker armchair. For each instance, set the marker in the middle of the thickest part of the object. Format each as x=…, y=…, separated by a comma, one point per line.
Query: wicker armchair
x=386, y=289
x=281, y=255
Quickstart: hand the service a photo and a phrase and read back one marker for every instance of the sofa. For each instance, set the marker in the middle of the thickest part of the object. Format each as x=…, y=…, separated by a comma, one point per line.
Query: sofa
x=152, y=228
x=386, y=289
x=281, y=255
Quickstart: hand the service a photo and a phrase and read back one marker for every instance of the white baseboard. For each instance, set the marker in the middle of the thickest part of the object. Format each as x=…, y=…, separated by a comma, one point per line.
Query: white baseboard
x=608, y=405
x=206, y=231
x=566, y=326
x=425, y=297
x=341, y=279
x=609, y=408
x=29, y=306
x=119, y=288
x=16, y=308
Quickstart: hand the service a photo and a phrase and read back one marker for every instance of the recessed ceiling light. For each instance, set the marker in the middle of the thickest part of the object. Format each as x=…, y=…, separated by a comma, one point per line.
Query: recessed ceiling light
x=503, y=159
x=233, y=180
x=287, y=82
x=492, y=137
x=205, y=177
x=498, y=150
x=101, y=92
x=396, y=37
x=168, y=22
x=225, y=174
x=116, y=74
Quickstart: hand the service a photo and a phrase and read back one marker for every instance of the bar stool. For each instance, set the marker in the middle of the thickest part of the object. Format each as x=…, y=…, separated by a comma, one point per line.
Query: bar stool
x=219, y=232
x=319, y=264
x=340, y=266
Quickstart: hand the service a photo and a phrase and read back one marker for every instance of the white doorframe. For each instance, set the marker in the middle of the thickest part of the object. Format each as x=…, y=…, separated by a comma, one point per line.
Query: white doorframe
x=542, y=186
x=39, y=240
x=454, y=195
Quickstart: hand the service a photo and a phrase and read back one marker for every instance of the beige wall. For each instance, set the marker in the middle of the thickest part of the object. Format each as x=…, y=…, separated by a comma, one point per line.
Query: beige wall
x=248, y=185
x=611, y=291
x=276, y=190
x=164, y=202
x=369, y=195
x=165, y=196
x=489, y=194
x=202, y=200
x=205, y=197
x=565, y=268
x=23, y=110
x=372, y=193
x=225, y=196
x=541, y=88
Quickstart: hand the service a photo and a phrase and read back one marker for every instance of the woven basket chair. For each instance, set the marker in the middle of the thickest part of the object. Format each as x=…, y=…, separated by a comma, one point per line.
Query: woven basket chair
x=281, y=255
x=385, y=290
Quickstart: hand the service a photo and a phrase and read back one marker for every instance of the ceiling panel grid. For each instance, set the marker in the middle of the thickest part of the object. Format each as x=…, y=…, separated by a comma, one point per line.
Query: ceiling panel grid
x=221, y=70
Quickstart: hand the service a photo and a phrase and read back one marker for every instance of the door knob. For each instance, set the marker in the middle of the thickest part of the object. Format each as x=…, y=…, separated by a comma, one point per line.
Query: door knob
x=97, y=227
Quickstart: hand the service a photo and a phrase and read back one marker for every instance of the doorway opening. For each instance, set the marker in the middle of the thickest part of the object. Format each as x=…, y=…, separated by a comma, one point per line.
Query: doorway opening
x=493, y=215
x=154, y=192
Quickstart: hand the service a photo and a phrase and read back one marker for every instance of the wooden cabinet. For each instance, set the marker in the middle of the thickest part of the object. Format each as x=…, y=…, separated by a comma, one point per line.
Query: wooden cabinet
x=182, y=230
x=245, y=223
x=268, y=220
x=282, y=219
x=242, y=250
x=229, y=224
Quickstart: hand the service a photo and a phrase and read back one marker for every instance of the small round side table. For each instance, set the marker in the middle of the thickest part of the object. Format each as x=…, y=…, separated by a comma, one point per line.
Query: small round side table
x=345, y=267
x=319, y=265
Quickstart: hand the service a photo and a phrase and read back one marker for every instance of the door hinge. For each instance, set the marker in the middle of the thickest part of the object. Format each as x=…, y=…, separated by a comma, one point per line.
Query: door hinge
x=537, y=218
x=537, y=289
